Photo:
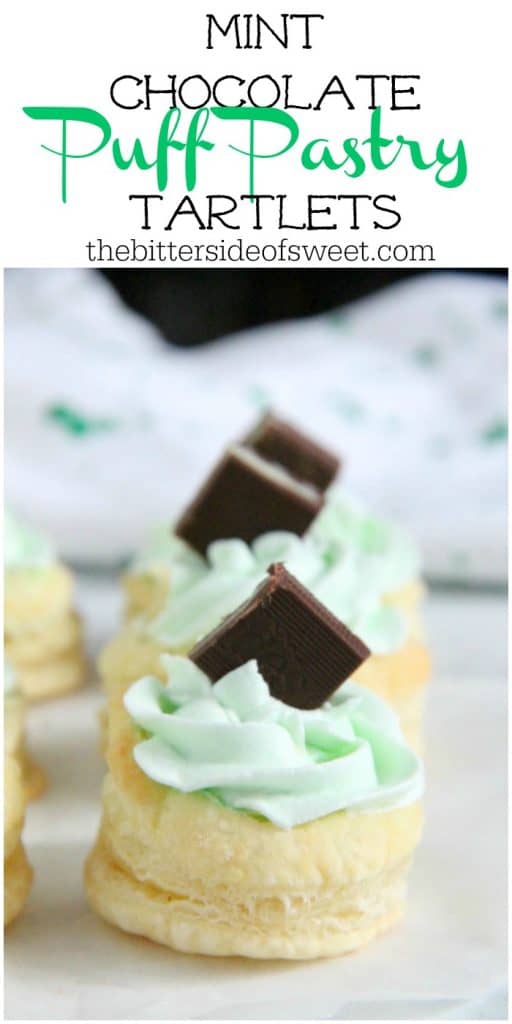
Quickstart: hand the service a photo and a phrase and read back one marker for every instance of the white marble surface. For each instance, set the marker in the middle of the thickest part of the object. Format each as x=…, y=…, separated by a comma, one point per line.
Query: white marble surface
x=446, y=961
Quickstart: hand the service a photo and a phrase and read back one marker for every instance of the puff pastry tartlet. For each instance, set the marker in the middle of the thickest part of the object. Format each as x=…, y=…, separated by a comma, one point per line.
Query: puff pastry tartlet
x=42, y=631
x=19, y=785
x=236, y=823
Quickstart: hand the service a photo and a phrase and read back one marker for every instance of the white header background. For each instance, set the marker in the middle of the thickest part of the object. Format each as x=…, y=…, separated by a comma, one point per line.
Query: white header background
x=63, y=54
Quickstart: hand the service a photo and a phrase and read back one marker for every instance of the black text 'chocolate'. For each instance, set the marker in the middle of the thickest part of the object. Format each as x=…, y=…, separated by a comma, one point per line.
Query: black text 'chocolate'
x=281, y=443
x=304, y=652
x=245, y=497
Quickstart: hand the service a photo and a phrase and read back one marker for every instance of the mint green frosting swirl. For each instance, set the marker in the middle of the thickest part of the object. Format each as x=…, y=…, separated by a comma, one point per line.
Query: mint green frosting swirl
x=199, y=598
x=25, y=548
x=349, y=559
x=235, y=743
x=388, y=557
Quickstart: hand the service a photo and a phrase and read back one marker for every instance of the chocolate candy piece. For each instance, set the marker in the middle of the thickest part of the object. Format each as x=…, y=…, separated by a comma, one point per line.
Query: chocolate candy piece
x=244, y=497
x=303, y=651
x=281, y=443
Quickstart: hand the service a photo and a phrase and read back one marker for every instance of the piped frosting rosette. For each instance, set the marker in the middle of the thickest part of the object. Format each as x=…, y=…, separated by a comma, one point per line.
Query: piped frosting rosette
x=204, y=590
x=236, y=744
x=25, y=548
x=388, y=557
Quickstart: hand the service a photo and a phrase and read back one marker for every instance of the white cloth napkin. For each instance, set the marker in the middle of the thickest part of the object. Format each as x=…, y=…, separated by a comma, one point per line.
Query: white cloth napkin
x=108, y=430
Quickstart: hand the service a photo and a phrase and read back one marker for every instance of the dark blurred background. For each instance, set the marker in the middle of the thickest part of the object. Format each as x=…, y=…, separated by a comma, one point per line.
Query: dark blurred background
x=209, y=303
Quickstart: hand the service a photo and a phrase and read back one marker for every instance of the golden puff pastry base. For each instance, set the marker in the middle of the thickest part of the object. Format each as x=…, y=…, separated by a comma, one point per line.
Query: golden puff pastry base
x=42, y=633
x=44, y=640
x=145, y=592
x=34, y=779
x=14, y=804
x=14, y=722
x=197, y=924
x=201, y=878
x=128, y=656
x=17, y=882
x=17, y=871
x=53, y=678
x=33, y=595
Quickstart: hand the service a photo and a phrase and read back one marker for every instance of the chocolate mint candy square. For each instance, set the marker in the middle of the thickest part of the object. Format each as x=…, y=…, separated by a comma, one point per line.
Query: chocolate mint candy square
x=304, y=652
x=281, y=443
x=244, y=497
